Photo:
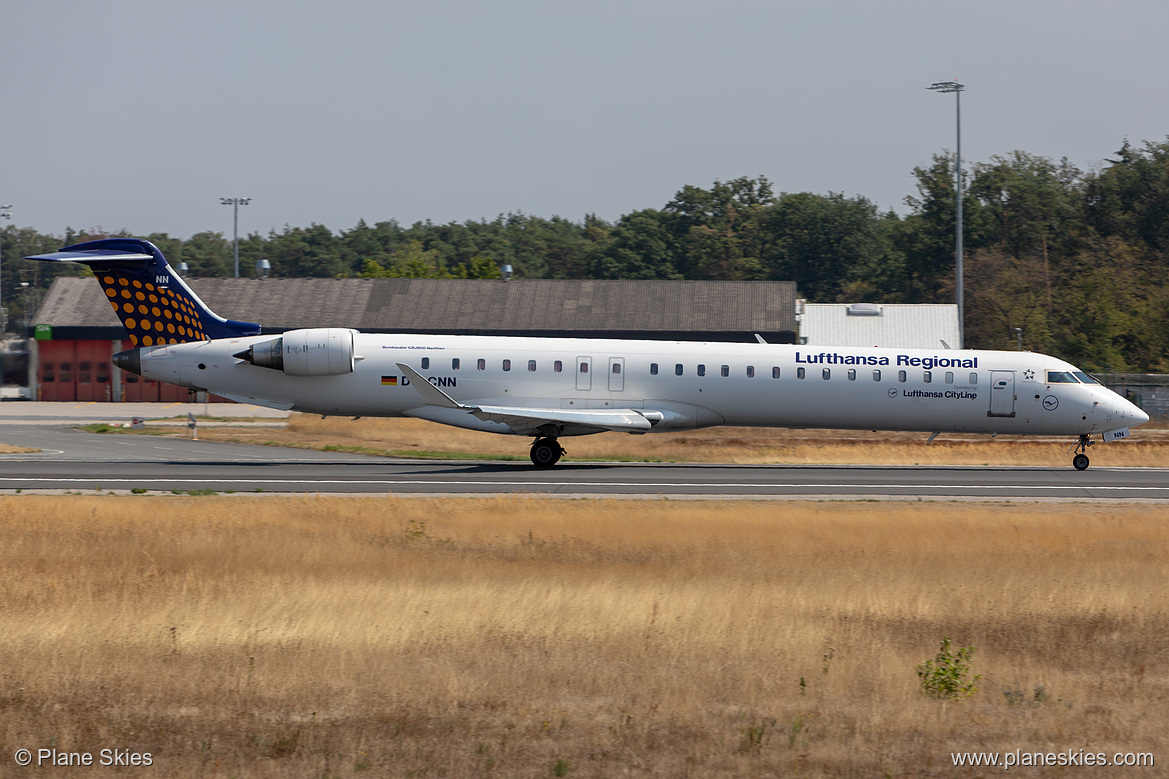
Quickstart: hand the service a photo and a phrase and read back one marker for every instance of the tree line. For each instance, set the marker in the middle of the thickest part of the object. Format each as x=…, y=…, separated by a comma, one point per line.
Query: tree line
x=1075, y=258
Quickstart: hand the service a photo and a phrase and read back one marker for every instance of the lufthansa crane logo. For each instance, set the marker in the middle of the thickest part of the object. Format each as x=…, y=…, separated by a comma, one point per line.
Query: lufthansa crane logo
x=1051, y=403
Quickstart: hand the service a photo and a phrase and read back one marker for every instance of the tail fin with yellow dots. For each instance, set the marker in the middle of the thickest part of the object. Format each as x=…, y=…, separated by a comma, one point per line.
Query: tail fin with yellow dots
x=152, y=300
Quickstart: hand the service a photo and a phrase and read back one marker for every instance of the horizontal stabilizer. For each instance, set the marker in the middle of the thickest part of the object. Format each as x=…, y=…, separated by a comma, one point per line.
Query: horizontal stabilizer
x=87, y=256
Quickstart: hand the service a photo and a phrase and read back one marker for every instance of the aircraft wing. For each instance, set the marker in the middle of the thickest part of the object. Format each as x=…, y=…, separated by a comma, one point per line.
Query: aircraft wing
x=522, y=419
x=621, y=420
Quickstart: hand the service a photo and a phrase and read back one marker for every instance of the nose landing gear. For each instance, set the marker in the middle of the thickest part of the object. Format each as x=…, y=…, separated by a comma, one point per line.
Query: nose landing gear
x=1080, y=461
x=545, y=452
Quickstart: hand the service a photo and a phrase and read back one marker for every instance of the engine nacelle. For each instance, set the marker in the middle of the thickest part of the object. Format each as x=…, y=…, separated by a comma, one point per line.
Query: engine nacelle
x=315, y=351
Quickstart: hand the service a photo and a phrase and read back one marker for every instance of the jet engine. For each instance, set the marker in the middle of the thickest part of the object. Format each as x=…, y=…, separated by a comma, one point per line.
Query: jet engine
x=316, y=351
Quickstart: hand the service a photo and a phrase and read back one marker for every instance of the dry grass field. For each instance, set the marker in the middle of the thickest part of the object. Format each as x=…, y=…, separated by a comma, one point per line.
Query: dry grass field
x=412, y=437
x=255, y=636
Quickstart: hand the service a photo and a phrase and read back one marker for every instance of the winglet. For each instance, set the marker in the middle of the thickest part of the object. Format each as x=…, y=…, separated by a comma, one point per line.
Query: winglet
x=759, y=338
x=431, y=395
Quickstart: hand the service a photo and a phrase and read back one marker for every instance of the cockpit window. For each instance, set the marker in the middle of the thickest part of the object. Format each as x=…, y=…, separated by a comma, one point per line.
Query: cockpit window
x=1086, y=378
x=1061, y=377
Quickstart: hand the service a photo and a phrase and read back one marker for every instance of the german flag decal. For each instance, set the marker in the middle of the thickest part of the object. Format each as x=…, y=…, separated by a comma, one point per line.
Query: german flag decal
x=389, y=381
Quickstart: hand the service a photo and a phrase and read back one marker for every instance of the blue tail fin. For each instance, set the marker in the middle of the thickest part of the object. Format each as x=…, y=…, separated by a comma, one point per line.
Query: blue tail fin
x=153, y=302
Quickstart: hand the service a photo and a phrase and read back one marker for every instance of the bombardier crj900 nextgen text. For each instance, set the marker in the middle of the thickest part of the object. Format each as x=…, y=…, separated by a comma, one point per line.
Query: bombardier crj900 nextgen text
x=549, y=388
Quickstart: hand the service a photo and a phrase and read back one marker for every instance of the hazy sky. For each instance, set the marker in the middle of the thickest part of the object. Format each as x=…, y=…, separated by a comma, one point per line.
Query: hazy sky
x=141, y=114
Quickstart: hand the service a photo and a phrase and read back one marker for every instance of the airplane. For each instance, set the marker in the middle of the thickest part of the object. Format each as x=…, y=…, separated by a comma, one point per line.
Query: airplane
x=553, y=388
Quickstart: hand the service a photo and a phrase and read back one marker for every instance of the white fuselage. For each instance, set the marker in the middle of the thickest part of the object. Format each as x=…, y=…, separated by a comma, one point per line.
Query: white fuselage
x=694, y=384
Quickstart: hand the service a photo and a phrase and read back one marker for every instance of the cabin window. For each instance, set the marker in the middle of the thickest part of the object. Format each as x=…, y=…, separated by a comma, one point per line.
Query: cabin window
x=454, y=363
x=826, y=374
x=927, y=377
x=678, y=369
x=876, y=375
x=531, y=366
x=616, y=368
x=558, y=366
x=799, y=373
x=425, y=363
x=775, y=371
x=750, y=371
x=1061, y=377
x=653, y=369
x=949, y=377
x=725, y=371
x=482, y=364
x=701, y=369
x=507, y=365
x=901, y=376
x=584, y=367
x=852, y=374
x=973, y=379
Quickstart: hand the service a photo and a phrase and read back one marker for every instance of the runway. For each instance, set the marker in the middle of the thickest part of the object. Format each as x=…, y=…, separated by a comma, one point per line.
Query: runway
x=73, y=460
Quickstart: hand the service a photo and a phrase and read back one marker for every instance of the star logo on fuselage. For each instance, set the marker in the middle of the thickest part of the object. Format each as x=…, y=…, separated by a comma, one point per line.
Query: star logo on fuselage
x=1029, y=375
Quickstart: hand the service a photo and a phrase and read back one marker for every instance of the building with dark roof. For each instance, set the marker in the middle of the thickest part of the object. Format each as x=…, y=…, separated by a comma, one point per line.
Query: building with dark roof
x=77, y=331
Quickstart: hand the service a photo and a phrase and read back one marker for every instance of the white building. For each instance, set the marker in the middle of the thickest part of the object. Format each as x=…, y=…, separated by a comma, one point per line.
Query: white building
x=907, y=325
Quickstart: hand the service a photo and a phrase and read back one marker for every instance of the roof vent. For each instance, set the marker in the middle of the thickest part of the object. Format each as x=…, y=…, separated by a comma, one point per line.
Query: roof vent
x=863, y=309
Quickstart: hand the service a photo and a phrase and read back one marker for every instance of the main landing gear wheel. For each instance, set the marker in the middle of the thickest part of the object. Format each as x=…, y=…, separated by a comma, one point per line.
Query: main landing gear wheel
x=1080, y=461
x=545, y=452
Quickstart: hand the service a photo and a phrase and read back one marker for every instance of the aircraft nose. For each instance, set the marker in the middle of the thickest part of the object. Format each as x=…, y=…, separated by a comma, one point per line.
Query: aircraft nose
x=1139, y=417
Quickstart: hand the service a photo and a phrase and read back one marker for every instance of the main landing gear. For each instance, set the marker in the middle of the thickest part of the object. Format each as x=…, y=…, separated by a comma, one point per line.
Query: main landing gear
x=545, y=453
x=1080, y=461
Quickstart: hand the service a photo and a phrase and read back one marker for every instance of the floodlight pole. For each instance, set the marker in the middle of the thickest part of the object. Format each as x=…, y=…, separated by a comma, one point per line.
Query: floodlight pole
x=5, y=213
x=946, y=87
x=235, y=202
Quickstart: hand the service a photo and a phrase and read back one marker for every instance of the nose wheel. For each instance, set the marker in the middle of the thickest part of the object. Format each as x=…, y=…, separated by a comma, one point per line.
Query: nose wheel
x=545, y=453
x=1080, y=461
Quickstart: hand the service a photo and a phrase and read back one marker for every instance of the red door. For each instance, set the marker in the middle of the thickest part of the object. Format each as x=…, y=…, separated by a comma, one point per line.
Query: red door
x=74, y=370
x=93, y=370
x=55, y=370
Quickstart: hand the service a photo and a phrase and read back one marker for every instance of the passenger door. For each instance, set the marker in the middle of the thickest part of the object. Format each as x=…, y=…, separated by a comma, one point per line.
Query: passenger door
x=616, y=374
x=1002, y=394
